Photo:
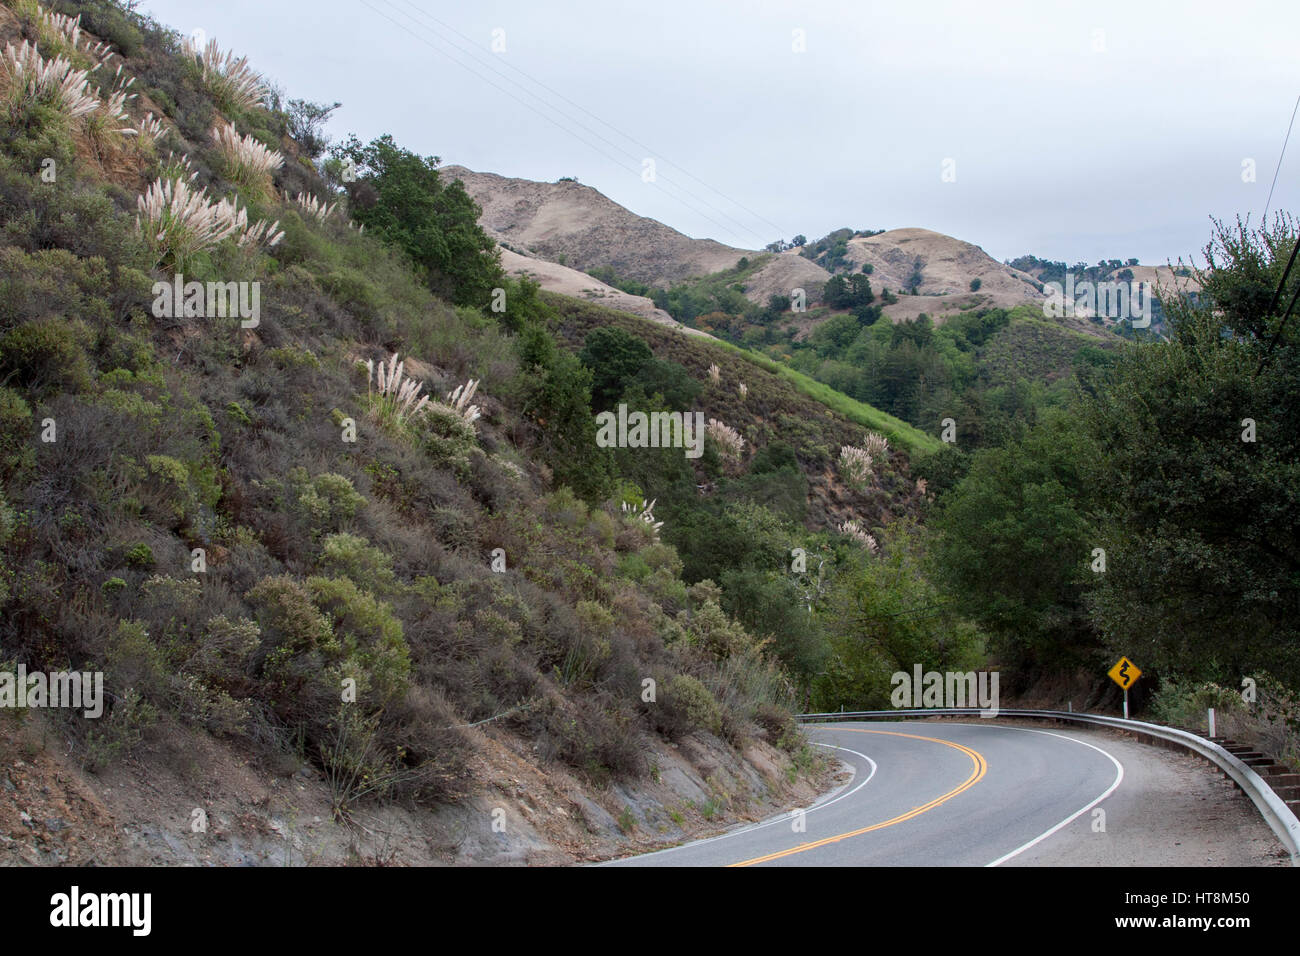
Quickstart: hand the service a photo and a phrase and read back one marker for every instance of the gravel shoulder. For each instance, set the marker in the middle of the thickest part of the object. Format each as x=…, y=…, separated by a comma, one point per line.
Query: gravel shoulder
x=1172, y=810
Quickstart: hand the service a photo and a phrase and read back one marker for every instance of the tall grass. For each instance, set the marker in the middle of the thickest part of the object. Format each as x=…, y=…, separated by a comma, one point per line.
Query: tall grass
x=246, y=162
x=313, y=207
x=27, y=79
x=230, y=81
x=179, y=222
x=730, y=443
x=397, y=393
x=855, y=464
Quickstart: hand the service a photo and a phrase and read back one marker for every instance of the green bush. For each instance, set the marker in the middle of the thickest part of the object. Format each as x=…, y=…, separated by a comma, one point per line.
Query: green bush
x=691, y=705
x=327, y=501
x=48, y=355
x=372, y=643
x=17, y=434
x=352, y=556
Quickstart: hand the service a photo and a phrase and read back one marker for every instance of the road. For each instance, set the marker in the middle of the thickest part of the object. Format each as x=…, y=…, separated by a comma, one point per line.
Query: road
x=965, y=794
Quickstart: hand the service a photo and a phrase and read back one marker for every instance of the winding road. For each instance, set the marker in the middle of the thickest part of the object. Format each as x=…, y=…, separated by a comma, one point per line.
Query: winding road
x=977, y=793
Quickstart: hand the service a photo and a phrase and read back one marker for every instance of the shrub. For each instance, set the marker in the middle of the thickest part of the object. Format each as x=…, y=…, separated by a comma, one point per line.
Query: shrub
x=352, y=556
x=178, y=222
x=373, y=648
x=691, y=705
x=290, y=622
x=327, y=501
x=112, y=586
x=47, y=355
x=245, y=161
x=229, y=81
x=17, y=437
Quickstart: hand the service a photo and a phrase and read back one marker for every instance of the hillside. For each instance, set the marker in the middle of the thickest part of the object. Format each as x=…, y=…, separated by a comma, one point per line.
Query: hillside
x=290, y=459
x=575, y=225
x=554, y=277
x=558, y=232
x=945, y=267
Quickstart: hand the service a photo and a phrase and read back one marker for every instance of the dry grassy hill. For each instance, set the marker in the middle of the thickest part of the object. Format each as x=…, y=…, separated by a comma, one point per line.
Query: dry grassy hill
x=577, y=226
x=947, y=267
x=553, y=232
x=562, y=280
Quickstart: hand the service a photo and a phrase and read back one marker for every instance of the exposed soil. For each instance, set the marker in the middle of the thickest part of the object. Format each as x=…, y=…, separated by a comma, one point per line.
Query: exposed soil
x=144, y=809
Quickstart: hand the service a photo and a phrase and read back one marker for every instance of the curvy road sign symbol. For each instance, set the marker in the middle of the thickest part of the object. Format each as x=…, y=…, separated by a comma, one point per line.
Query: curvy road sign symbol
x=1125, y=673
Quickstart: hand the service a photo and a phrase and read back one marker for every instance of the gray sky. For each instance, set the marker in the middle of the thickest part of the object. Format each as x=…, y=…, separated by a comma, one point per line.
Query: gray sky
x=1077, y=131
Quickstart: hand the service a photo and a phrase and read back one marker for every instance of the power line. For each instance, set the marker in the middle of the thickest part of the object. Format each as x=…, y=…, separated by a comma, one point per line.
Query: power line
x=734, y=227
x=633, y=140
x=1269, y=201
x=1295, y=248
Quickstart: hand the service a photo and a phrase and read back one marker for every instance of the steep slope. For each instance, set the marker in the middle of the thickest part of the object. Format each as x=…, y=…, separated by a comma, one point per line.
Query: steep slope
x=575, y=225
x=286, y=568
x=782, y=275
x=562, y=280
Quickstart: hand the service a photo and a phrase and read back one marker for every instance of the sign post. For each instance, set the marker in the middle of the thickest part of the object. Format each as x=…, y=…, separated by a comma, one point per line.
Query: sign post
x=1125, y=673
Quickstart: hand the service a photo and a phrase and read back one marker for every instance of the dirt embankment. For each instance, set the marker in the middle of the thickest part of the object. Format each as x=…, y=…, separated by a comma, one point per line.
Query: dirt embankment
x=189, y=799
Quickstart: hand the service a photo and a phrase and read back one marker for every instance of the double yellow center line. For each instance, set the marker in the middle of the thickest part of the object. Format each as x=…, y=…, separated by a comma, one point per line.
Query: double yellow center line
x=979, y=768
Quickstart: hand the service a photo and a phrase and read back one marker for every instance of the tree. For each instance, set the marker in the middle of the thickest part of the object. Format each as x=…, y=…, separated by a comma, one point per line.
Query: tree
x=860, y=294
x=1203, y=570
x=559, y=402
x=306, y=121
x=777, y=304
x=614, y=357
x=401, y=197
x=836, y=294
x=885, y=614
x=1014, y=542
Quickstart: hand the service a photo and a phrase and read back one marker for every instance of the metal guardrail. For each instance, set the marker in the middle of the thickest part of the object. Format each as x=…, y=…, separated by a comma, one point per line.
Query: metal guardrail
x=1270, y=806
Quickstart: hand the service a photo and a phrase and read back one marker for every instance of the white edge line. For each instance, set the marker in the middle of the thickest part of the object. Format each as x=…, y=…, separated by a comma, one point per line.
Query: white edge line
x=779, y=818
x=1119, y=778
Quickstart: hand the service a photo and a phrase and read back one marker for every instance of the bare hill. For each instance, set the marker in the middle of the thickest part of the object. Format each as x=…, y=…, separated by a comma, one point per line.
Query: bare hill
x=555, y=232
x=947, y=267
x=554, y=277
x=580, y=227
x=785, y=273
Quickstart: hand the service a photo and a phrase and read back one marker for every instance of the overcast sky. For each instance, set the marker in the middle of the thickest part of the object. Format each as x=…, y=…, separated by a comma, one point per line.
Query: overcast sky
x=1076, y=131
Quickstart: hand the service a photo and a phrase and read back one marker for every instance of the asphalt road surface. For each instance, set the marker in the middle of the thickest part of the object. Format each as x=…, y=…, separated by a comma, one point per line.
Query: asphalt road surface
x=929, y=793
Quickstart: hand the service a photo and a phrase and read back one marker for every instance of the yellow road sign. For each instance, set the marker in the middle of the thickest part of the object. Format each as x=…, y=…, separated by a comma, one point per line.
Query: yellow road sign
x=1125, y=673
